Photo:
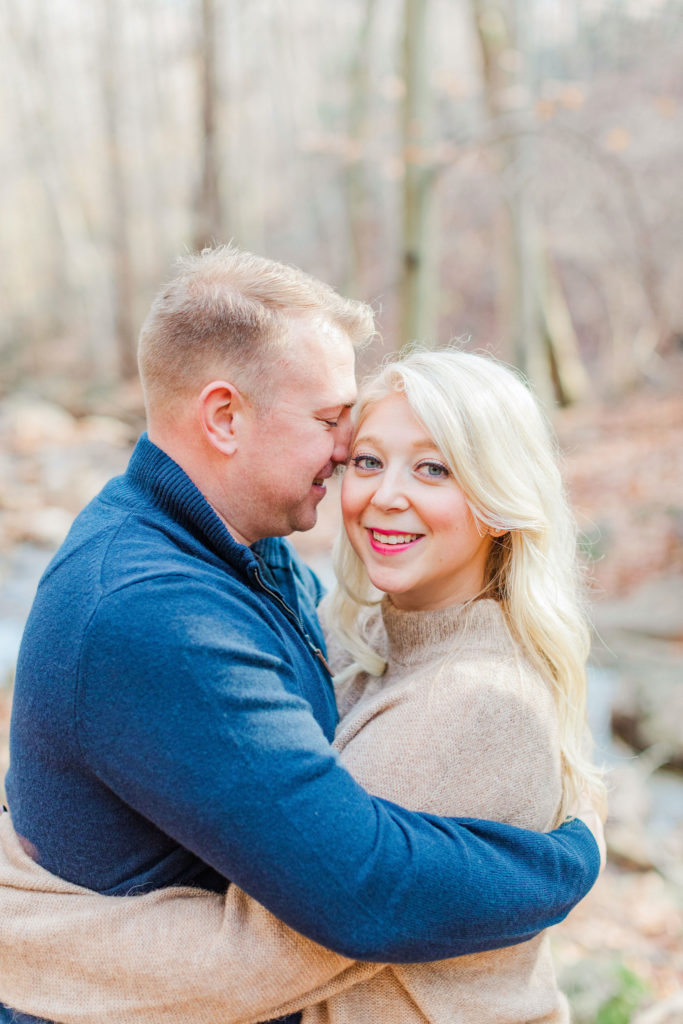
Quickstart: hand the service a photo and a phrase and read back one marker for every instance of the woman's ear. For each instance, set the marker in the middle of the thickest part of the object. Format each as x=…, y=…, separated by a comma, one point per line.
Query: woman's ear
x=221, y=408
x=492, y=532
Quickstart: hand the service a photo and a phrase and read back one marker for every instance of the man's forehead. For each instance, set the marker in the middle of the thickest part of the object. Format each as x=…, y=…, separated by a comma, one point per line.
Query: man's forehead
x=341, y=381
x=308, y=333
x=340, y=393
x=320, y=358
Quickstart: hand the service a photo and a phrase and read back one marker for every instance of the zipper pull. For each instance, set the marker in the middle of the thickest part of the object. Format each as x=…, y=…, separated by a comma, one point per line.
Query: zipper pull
x=319, y=654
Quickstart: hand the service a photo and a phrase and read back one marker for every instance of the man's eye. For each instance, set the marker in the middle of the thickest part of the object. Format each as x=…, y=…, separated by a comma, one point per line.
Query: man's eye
x=367, y=462
x=331, y=423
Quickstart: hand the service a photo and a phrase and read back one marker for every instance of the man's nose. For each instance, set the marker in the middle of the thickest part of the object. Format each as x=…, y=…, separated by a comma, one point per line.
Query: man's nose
x=342, y=440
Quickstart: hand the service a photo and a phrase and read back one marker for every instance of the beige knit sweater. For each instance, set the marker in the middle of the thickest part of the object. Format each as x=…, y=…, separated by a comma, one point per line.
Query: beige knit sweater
x=460, y=724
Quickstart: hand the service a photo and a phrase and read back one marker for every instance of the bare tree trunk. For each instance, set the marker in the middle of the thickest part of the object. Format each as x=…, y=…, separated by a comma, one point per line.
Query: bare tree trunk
x=417, y=313
x=529, y=348
x=120, y=246
x=532, y=312
x=68, y=239
x=516, y=296
x=492, y=36
x=356, y=181
x=568, y=374
x=209, y=205
x=533, y=350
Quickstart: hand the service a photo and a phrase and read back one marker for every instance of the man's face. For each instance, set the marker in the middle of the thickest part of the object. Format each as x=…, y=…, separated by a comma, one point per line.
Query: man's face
x=291, y=449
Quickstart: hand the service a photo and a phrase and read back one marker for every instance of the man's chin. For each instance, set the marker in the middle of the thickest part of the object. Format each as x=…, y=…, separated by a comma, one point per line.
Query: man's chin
x=306, y=519
x=304, y=525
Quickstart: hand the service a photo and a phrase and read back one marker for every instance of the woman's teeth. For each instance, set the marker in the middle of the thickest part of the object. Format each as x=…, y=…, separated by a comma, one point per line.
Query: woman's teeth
x=394, y=538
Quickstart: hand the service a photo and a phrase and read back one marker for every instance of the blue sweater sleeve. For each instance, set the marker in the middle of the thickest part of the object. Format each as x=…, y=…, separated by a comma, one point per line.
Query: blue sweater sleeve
x=207, y=737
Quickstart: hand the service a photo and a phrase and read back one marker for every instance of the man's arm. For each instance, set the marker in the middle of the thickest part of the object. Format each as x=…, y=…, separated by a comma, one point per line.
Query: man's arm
x=231, y=763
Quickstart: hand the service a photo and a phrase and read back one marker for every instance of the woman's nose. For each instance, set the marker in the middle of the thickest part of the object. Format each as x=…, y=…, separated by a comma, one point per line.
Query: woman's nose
x=390, y=493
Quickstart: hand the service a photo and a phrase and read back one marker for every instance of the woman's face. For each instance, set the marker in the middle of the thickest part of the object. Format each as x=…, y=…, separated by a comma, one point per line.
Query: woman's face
x=405, y=515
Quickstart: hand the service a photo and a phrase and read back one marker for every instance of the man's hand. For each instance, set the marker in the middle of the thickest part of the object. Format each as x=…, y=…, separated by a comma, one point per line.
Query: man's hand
x=594, y=821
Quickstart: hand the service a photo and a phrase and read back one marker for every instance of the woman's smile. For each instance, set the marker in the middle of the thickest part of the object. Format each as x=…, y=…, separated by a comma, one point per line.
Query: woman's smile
x=387, y=542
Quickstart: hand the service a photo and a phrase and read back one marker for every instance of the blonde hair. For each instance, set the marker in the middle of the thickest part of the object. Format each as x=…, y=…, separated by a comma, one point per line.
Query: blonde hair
x=227, y=310
x=501, y=452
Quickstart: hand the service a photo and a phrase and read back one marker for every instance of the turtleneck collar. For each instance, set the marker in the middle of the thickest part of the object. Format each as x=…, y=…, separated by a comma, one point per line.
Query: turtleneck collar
x=156, y=474
x=419, y=636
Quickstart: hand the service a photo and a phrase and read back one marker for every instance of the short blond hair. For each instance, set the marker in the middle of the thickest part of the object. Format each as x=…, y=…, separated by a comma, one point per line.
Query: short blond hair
x=226, y=311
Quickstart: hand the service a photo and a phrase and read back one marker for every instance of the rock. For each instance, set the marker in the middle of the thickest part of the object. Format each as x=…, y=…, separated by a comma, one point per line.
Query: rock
x=47, y=526
x=634, y=834
x=30, y=423
x=641, y=640
x=647, y=712
x=629, y=848
x=654, y=609
x=105, y=429
x=51, y=465
x=668, y=1011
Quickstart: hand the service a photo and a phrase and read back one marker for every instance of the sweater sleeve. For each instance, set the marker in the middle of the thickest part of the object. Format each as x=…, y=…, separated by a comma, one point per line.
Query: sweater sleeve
x=226, y=759
x=173, y=956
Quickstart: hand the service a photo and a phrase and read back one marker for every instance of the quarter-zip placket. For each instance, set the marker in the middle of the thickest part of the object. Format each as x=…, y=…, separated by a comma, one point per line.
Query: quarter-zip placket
x=291, y=615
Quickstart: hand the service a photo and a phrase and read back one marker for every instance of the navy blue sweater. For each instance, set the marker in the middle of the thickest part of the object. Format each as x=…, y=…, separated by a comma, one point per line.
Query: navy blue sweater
x=171, y=725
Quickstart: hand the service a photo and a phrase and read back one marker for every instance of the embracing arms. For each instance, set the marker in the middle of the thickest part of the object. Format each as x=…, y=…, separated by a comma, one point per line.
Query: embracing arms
x=280, y=815
x=230, y=762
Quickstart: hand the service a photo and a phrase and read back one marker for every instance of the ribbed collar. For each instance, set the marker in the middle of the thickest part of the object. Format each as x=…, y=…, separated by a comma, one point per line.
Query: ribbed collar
x=155, y=473
x=275, y=552
x=420, y=637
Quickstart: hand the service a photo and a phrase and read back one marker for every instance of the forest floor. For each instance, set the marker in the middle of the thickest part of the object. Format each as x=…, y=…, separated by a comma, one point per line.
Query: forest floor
x=622, y=948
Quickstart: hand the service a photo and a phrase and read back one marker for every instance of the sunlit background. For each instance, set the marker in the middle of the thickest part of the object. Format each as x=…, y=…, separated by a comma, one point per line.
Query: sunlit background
x=504, y=173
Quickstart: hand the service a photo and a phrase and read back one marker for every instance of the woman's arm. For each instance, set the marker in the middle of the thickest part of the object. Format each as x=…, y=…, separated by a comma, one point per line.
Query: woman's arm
x=174, y=956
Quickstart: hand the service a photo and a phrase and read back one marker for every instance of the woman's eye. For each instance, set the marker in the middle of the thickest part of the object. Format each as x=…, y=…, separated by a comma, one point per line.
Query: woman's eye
x=331, y=423
x=434, y=470
x=366, y=462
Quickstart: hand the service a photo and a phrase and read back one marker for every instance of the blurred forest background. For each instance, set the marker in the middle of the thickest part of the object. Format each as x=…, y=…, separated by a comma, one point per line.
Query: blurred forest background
x=502, y=172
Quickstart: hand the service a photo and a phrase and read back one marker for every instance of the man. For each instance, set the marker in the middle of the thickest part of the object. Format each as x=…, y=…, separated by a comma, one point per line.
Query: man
x=173, y=709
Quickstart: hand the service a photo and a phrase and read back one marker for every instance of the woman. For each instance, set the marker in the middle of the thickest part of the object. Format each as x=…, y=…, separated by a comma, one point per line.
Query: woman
x=460, y=647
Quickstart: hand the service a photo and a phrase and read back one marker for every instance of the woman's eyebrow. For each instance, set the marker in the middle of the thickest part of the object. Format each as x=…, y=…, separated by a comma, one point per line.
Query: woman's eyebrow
x=425, y=444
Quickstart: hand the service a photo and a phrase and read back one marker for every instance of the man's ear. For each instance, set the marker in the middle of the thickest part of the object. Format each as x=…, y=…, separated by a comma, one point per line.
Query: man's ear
x=221, y=408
